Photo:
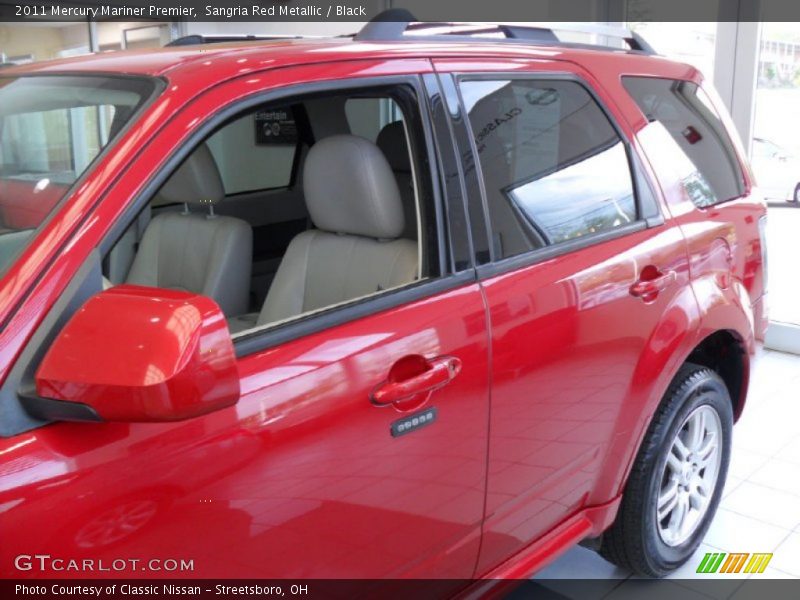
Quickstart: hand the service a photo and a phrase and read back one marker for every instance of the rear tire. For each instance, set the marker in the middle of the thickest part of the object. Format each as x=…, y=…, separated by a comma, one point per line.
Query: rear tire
x=796, y=197
x=676, y=481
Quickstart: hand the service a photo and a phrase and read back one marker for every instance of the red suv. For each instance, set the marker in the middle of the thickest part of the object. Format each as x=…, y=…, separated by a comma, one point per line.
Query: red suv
x=418, y=303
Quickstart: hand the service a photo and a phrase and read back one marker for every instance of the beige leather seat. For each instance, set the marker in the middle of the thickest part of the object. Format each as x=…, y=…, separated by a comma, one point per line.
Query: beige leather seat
x=197, y=251
x=356, y=249
x=393, y=143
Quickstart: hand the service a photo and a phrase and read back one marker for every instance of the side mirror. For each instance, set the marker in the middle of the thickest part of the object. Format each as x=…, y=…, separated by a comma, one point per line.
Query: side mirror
x=134, y=353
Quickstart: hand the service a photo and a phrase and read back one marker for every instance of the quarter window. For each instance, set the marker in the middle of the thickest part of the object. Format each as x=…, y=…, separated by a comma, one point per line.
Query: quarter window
x=554, y=167
x=687, y=113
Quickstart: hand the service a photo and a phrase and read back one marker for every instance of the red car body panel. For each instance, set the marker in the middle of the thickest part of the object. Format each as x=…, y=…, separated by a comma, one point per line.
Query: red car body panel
x=296, y=480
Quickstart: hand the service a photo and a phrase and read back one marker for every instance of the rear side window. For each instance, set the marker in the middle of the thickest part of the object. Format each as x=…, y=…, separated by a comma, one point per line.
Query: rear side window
x=554, y=167
x=687, y=113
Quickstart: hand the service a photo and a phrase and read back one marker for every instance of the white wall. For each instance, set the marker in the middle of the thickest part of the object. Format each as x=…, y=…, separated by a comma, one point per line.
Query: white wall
x=246, y=166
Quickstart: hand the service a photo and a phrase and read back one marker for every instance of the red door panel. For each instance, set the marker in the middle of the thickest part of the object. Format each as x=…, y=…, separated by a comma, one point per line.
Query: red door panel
x=567, y=337
x=379, y=506
x=302, y=478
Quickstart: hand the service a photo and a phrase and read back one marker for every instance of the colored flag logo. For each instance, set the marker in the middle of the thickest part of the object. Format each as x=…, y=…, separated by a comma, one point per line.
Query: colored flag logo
x=722, y=562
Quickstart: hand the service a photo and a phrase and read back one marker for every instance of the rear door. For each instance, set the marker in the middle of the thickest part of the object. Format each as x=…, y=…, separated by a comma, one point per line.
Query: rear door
x=578, y=271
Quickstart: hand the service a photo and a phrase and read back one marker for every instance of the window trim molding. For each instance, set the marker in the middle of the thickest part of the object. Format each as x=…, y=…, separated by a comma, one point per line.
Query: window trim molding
x=434, y=93
x=268, y=337
x=501, y=265
x=538, y=255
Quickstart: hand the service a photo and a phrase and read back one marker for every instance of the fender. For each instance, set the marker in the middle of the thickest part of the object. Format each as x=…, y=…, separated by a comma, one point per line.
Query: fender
x=671, y=340
x=726, y=309
x=685, y=324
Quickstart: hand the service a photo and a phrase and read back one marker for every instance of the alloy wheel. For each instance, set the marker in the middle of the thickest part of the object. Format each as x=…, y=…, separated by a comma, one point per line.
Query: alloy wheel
x=689, y=476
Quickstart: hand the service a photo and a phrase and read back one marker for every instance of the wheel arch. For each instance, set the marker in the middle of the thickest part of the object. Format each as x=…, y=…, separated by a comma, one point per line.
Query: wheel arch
x=715, y=334
x=725, y=352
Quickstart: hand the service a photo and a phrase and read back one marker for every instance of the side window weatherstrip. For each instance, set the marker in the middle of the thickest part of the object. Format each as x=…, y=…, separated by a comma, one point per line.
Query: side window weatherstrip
x=539, y=255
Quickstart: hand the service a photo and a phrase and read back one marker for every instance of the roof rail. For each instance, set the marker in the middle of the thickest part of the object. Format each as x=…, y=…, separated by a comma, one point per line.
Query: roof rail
x=192, y=40
x=395, y=23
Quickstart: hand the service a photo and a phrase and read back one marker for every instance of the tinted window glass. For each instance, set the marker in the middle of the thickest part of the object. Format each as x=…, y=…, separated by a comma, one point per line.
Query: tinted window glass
x=687, y=113
x=553, y=166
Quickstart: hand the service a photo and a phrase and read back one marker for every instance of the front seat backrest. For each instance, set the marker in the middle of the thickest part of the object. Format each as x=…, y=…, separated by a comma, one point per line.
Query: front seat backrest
x=197, y=251
x=355, y=250
x=393, y=143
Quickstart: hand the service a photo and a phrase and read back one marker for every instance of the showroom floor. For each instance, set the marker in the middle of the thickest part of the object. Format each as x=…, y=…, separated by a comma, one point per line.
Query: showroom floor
x=760, y=509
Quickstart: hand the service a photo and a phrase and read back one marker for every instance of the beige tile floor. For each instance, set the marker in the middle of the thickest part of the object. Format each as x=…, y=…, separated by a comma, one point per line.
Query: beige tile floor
x=760, y=508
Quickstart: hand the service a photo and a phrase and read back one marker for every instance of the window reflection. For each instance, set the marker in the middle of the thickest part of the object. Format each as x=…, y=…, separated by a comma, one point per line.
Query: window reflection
x=576, y=201
x=51, y=128
x=554, y=168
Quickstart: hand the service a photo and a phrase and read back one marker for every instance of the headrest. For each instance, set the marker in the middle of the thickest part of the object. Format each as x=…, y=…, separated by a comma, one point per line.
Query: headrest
x=394, y=145
x=350, y=188
x=196, y=181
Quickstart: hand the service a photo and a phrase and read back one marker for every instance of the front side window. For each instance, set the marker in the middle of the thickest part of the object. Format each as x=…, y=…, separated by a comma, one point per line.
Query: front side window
x=686, y=112
x=554, y=167
x=359, y=221
x=51, y=129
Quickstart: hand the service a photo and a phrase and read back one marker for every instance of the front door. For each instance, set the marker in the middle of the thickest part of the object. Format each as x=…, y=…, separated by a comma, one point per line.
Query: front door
x=358, y=446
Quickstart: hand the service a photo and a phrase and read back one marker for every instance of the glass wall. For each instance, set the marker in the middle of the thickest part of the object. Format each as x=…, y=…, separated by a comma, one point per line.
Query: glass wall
x=776, y=130
x=775, y=157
